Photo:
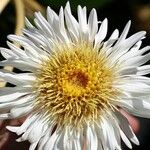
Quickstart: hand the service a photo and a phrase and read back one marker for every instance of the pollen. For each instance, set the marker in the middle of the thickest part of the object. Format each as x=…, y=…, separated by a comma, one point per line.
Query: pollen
x=75, y=85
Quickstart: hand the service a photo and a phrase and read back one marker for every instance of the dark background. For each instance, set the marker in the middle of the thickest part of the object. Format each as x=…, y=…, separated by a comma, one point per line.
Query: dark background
x=118, y=13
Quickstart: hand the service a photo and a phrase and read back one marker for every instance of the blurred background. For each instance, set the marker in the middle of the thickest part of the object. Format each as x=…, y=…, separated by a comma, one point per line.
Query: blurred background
x=118, y=12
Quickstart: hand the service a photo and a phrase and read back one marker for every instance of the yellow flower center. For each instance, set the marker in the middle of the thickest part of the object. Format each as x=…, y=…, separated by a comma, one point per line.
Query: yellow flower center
x=75, y=84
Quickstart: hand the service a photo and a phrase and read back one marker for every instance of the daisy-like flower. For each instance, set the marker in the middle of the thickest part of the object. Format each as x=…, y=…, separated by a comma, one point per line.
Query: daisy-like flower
x=74, y=82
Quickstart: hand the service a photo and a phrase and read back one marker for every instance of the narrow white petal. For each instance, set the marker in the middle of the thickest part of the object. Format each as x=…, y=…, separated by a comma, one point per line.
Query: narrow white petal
x=138, y=87
x=67, y=141
x=19, y=130
x=142, y=70
x=33, y=146
x=43, y=140
x=136, y=47
x=5, y=116
x=137, y=78
x=51, y=142
x=28, y=24
x=35, y=37
x=21, y=101
x=77, y=144
x=92, y=141
x=134, y=107
x=12, y=96
x=129, y=70
x=21, y=111
x=19, y=52
x=101, y=137
x=108, y=126
x=112, y=38
x=82, y=19
x=11, y=90
x=7, y=53
x=133, y=53
x=121, y=49
x=45, y=26
x=39, y=129
x=12, y=129
x=133, y=39
x=99, y=37
x=92, y=24
x=22, y=65
x=137, y=61
x=71, y=22
x=124, y=33
x=62, y=26
x=126, y=128
x=31, y=49
x=17, y=79
x=125, y=139
x=51, y=15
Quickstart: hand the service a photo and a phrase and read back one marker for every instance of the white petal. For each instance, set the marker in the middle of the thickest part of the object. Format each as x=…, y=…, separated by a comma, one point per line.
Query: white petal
x=62, y=26
x=92, y=24
x=17, y=79
x=19, y=52
x=45, y=26
x=137, y=61
x=5, y=116
x=112, y=38
x=71, y=22
x=142, y=70
x=126, y=128
x=125, y=139
x=135, y=106
x=77, y=144
x=127, y=43
x=21, y=101
x=135, y=87
x=7, y=53
x=82, y=19
x=136, y=47
x=67, y=141
x=39, y=128
x=33, y=146
x=109, y=126
x=129, y=70
x=33, y=129
x=19, y=130
x=92, y=141
x=28, y=24
x=101, y=137
x=99, y=37
x=124, y=33
x=51, y=142
x=21, y=111
x=134, y=53
x=43, y=140
x=31, y=49
x=22, y=65
x=51, y=15
x=36, y=38
x=12, y=129
x=12, y=96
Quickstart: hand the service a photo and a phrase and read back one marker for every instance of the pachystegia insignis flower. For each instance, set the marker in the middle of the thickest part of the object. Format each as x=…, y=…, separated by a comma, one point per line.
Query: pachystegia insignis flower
x=74, y=82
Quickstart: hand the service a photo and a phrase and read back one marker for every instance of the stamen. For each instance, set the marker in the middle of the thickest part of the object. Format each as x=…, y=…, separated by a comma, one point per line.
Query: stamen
x=75, y=85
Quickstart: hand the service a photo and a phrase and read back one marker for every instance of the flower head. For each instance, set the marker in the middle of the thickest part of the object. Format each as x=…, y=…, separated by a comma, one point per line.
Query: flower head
x=73, y=82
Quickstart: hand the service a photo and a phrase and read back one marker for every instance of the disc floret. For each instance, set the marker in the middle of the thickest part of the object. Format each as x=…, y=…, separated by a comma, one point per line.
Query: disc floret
x=75, y=85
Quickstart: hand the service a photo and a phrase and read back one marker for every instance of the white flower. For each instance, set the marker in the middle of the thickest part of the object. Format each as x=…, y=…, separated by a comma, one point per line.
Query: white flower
x=74, y=82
